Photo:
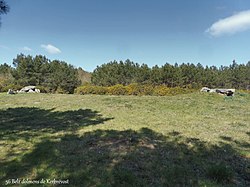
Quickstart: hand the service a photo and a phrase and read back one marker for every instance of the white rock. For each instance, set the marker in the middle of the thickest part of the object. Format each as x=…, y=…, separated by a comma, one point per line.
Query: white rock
x=205, y=89
x=37, y=90
x=31, y=91
x=27, y=88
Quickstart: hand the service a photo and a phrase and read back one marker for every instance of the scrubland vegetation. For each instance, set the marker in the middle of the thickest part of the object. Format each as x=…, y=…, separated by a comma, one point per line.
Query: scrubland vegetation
x=132, y=89
x=124, y=78
x=116, y=130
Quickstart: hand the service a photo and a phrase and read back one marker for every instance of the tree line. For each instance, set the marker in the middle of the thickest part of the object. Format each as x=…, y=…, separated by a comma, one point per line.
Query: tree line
x=50, y=76
x=60, y=77
x=183, y=75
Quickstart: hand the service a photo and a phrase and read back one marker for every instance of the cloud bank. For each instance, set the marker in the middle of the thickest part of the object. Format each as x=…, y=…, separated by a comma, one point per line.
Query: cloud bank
x=51, y=49
x=228, y=26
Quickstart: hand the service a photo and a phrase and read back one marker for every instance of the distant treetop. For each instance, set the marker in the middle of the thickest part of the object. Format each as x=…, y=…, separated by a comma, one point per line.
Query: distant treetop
x=4, y=8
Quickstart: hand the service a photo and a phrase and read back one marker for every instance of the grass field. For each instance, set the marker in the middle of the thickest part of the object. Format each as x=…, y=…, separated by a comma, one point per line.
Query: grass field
x=197, y=139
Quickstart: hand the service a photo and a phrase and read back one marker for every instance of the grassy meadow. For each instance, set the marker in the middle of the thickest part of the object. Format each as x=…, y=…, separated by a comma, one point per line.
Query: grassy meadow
x=197, y=139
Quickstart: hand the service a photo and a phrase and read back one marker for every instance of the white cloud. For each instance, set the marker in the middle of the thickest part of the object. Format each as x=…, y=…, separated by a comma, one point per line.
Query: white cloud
x=236, y=23
x=51, y=49
x=26, y=48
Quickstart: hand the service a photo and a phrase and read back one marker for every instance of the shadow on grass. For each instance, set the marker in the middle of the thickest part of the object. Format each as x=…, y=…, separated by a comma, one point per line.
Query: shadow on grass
x=130, y=158
x=20, y=122
x=242, y=144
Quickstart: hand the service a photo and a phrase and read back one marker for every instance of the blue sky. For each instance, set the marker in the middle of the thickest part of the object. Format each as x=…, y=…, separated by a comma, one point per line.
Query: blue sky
x=88, y=33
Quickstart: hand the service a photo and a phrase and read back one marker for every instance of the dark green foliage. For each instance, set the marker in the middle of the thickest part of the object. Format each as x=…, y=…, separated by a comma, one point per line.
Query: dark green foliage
x=63, y=78
x=116, y=73
x=11, y=86
x=4, y=8
x=4, y=69
x=53, y=76
x=184, y=75
x=60, y=77
x=5, y=76
x=29, y=70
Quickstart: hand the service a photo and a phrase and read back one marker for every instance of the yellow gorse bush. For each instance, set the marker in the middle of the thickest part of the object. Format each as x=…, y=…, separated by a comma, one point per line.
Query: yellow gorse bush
x=132, y=89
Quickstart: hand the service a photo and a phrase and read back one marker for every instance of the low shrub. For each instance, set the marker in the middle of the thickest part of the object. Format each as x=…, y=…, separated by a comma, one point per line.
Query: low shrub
x=83, y=90
x=147, y=89
x=161, y=90
x=11, y=86
x=137, y=89
x=132, y=89
x=118, y=89
x=90, y=89
x=59, y=90
x=100, y=90
x=166, y=91
x=43, y=89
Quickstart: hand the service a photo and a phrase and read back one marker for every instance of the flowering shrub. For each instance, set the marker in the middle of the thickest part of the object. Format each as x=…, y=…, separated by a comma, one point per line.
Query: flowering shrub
x=90, y=89
x=132, y=89
x=118, y=89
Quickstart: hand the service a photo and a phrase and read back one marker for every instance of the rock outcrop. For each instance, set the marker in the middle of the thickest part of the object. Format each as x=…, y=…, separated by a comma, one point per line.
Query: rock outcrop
x=10, y=91
x=29, y=89
x=227, y=92
x=26, y=89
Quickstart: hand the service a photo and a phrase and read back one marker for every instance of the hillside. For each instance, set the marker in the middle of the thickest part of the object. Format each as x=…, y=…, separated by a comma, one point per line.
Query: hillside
x=84, y=76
